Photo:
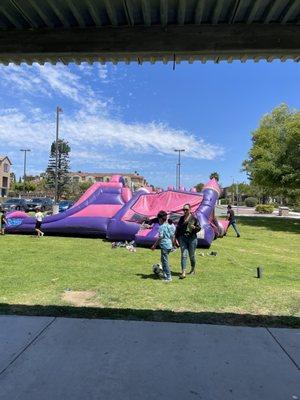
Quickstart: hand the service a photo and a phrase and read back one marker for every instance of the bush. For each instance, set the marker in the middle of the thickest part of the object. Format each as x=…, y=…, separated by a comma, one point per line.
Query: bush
x=224, y=201
x=251, y=201
x=264, y=208
x=296, y=208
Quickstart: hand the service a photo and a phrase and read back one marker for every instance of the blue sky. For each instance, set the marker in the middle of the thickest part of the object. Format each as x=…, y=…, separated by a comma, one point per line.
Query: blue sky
x=127, y=118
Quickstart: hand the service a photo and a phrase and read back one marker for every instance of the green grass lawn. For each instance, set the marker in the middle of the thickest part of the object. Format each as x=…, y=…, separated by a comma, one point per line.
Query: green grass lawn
x=85, y=277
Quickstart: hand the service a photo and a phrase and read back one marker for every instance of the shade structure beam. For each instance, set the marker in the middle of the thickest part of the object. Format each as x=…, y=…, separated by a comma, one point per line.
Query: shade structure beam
x=76, y=13
x=41, y=13
x=217, y=12
x=27, y=17
x=11, y=18
x=164, y=13
x=128, y=12
x=253, y=12
x=94, y=13
x=272, y=11
x=111, y=12
x=181, y=12
x=294, y=7
x=152, y=43
x=59, y=13
x=199, y=11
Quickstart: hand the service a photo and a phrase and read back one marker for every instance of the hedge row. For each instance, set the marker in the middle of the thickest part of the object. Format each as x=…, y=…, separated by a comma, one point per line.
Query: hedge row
x=264, y=208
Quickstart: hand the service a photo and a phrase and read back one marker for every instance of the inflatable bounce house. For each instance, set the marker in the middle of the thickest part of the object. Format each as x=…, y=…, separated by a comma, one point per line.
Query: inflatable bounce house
x=109, y=209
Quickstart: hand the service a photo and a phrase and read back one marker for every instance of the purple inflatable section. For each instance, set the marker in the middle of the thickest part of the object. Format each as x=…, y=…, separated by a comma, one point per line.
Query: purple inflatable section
x=108, y=211
x=68, y=223
x=204, y=214
x=118, y=229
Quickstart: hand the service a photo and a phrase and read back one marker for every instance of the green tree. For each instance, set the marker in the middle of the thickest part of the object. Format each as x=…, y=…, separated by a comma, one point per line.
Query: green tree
x=274, y=158
x=63, y=167
x=199, y=187
x=19, y=187
x=214, y=175
x=84, y=186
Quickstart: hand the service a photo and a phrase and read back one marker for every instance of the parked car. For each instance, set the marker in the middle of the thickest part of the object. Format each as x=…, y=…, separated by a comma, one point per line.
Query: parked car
x=15, y=204
x=44, y=203
x=64, y=205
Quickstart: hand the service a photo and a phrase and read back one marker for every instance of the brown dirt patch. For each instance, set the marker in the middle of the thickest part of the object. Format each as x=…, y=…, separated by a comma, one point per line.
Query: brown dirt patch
x=80, y=298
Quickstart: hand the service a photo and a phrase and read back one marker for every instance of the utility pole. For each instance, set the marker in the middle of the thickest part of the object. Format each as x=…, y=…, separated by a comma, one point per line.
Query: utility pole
x=179, y=151
x=58, y=110
x=237, y=198
x=25, y=160
x=232, y=189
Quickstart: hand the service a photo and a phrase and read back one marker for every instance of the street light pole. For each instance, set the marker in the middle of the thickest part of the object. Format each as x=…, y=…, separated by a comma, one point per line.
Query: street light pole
x=237, y=198
x=179, y=151
x=25, y=160
x=58, y=110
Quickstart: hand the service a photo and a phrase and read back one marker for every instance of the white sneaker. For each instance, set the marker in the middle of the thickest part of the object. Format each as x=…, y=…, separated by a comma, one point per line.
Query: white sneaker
x=42, y=234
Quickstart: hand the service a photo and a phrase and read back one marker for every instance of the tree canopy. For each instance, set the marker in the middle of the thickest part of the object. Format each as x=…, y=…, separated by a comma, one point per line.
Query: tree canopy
x=199, y=187
x=274, y=158
x=63, y=167
x=214, y=175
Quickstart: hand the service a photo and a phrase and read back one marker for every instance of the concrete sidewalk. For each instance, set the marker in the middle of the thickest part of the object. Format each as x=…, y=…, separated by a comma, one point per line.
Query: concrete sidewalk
x=45, y=358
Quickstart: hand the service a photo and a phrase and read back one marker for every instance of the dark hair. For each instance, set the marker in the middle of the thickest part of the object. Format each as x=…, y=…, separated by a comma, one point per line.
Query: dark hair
x=229, y=206
x=170, y=221
x=162, y=215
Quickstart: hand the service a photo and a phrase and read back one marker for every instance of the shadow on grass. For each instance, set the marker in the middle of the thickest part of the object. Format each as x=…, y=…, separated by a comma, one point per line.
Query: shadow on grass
x=272, y=223
x=279, y=321
x=154, y=276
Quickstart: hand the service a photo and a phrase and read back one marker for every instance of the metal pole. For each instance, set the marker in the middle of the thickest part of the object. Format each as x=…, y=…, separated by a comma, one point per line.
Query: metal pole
x=179, y=169
x=237, y=198
x=25, y=161
x=24, y=175
x=178, y=166
x=58, y=110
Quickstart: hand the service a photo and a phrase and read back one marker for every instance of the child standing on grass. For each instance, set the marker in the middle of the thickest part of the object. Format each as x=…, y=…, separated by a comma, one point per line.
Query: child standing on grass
x=3, y=222
x=232, y=220
x=39, y=218
x=173, y=228
x=165, y=242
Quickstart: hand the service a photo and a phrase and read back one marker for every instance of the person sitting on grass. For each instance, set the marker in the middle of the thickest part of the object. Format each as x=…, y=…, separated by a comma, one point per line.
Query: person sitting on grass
x=165, y=242
x=232, y=220
x=39, y=218
x=3, y=222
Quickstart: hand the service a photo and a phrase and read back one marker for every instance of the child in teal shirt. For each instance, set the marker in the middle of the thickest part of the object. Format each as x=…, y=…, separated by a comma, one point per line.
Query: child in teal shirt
x=165, y=242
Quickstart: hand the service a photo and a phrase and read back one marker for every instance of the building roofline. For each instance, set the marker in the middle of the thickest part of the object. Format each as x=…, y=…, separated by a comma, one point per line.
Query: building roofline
x=2, y=158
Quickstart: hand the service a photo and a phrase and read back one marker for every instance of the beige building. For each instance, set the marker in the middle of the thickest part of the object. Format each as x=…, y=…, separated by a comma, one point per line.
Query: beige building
x=5, y=167
x=133, y=181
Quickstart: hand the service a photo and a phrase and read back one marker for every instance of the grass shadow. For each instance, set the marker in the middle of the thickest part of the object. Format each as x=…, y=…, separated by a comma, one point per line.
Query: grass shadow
x=272, y=223
x=152, y=315
x=154, y=276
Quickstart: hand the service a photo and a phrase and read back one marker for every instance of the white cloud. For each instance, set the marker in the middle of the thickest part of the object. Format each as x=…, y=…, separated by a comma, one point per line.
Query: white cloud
x=136, y=137
x=48, y=80
x=88, y=130
x=103, y=72
x=94, y=135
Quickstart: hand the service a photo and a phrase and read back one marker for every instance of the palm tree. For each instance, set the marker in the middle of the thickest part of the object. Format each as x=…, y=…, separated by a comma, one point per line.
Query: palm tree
x=214, y=175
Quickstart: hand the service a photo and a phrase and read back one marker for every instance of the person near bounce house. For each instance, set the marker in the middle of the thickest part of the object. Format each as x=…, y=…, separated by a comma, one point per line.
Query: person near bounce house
x=39, y=218
x=232, y=220
x=165, y=242
x=186, y=238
